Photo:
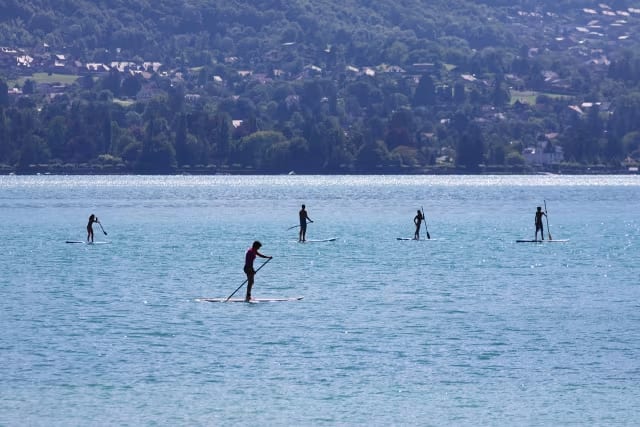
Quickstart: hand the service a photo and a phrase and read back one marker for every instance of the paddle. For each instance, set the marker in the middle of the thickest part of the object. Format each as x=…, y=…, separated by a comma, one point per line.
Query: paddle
x=295, y=226
x=246, y=280
x=105, y=233
x=425, y=222
x=546, y=215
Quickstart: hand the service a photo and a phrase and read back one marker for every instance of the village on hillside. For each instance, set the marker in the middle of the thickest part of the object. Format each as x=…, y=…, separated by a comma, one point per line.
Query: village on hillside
x=589, y=36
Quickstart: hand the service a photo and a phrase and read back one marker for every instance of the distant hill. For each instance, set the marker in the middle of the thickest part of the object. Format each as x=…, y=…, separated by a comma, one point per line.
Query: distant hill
x=248, y=29
x=357, y=85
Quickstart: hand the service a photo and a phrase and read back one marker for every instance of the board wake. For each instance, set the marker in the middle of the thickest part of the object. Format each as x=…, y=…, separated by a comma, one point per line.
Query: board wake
x=253, y=301
x=542, y=241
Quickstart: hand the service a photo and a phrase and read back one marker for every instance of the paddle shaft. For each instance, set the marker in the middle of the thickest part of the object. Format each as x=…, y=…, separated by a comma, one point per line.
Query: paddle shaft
x=424, y=218
x=105, y=233
x=546, y=215
x=246, y=280
x=295, y=226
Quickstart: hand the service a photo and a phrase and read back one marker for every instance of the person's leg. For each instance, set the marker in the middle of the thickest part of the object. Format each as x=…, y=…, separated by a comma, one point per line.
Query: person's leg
x=250, y=277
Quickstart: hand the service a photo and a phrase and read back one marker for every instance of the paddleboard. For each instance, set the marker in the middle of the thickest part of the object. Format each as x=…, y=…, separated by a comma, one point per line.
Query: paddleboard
x=422, y=239
x=332, y=239
x=253, y=301
x=86, y=243
x=543, y=241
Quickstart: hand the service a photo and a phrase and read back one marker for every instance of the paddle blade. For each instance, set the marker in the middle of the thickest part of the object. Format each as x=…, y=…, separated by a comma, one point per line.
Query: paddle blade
x=428, y=235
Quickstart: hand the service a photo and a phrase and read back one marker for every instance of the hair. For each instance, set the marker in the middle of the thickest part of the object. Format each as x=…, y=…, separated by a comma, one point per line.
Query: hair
x=256, y=245
x=303, y=206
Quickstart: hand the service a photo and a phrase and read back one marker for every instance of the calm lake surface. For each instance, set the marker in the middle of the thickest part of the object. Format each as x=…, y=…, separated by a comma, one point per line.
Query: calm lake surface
x=467, y=328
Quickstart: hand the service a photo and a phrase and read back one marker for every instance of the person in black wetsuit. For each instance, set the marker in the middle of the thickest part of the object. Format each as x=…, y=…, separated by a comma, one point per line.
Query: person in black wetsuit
x=304, y=219
x=92, y=219
x=538, y=222
x=417, y=220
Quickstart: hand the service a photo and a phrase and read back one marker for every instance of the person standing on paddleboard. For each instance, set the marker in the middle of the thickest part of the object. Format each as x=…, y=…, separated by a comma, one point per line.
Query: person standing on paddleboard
x=417, y=220
x=538, y=222
x=92, y=219
x=250, y=256
x=304, y=217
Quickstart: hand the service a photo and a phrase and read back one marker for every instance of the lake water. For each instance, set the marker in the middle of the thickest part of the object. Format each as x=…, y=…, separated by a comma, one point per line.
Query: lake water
x=467, y=328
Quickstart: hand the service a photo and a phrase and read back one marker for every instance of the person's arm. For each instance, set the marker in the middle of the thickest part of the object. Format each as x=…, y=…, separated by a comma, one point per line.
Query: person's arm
x=263, y=256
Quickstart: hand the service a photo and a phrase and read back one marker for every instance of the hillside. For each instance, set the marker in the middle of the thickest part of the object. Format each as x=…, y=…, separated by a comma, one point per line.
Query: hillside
x=354, y=85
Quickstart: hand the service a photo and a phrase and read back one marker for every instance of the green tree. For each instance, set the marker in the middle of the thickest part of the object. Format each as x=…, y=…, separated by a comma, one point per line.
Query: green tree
x=372, y=156
x=34, y=151
x=157, y=154
x=252, y=149
x=57, y=137
x=4, y=94
x=470, y=151
x=131, y=85
x=29, y=87
x=425, y=94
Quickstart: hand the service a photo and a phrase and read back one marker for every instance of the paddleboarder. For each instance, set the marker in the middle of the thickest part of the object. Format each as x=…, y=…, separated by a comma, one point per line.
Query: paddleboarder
x=417, y=220
x=304, y=219
x=538, y=222
x=250, y=256
x=92, y=219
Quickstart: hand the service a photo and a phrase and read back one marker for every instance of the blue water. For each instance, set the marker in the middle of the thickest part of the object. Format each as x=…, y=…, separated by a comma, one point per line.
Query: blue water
x=468, y=328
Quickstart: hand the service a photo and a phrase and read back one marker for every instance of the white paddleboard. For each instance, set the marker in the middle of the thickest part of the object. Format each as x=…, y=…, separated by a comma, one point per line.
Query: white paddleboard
x=332, y=239
x=253, y=300
x=543, y=241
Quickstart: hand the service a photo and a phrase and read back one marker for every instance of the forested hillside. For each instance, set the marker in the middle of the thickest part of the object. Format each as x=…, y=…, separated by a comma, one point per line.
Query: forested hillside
x=319, y=86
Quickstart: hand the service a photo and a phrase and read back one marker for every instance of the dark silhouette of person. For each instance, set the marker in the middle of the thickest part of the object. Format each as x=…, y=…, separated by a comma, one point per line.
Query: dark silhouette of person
x=250, y=256
x=304, y=219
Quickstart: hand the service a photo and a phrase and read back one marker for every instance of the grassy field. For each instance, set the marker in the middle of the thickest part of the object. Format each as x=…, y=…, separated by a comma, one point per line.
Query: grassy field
x=529, y=96
x=65, y=79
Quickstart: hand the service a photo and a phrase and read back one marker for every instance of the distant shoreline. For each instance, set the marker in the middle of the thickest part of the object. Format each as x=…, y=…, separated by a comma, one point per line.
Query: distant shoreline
x=213, y=170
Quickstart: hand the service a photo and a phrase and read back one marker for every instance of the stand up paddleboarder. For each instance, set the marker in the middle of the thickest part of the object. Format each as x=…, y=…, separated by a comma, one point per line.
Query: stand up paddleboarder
x=250, y=256
x=539, y=224
x=304, y=219
x=92, y=219
x=417, y=220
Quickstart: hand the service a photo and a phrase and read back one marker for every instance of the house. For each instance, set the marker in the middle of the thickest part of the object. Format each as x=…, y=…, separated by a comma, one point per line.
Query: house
x=543, y=153
x=151, y=66
x=96, y=67
x=192, y=98
x=24, y=61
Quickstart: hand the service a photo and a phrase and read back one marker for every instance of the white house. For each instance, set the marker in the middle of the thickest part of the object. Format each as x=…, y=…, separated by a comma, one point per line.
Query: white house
x=540, y=154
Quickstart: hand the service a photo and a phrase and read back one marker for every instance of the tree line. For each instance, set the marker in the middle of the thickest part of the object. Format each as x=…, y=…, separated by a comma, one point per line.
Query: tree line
x=332, y=121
